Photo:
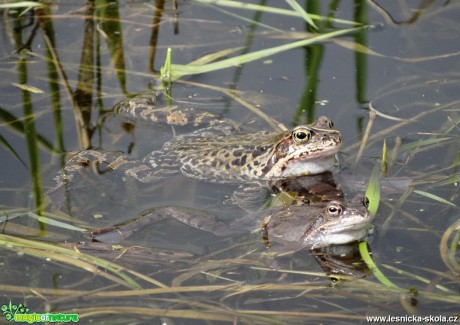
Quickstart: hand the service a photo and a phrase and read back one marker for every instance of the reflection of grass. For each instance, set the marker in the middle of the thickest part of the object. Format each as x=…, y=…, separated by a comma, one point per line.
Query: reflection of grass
x=450, y=255
x=76, y=259
x=240, y=300
x=189, y=283
x=30, y=134
x=313, y=59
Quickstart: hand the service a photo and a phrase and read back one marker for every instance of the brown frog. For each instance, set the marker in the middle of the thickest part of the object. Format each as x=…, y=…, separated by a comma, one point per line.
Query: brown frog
x=284, y=229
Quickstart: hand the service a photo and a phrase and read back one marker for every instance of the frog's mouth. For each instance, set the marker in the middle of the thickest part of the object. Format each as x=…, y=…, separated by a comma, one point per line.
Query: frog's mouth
x=307, y=163
x=339, y=233
x=350, y=225
x=304, y=163
x=313, y=155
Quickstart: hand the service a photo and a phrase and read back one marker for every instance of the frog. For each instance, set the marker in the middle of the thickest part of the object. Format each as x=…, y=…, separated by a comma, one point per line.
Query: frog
x=317, y=226
x=284, y=229
x=217, y=151
x=308, y=189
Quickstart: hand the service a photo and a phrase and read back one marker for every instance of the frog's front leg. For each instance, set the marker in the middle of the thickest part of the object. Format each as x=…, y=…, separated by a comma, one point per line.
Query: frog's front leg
x=251, y=196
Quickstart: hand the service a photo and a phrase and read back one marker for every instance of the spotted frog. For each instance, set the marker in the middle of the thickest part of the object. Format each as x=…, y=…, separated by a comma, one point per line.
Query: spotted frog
x=218, y=152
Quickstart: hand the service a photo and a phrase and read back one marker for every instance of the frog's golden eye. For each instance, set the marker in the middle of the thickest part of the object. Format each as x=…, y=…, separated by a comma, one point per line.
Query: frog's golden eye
x=334, y=209
x=301, y=135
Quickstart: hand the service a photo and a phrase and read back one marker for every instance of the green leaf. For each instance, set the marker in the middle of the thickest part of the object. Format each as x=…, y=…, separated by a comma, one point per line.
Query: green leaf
x=44, y=219
x=422, y=143
x=301, y=12
x=28, y=88
x=165, y=71
x=178, y=70
x=21, y=4
x=70, y=257
x=384, y=162
x=434, y=197
x=273, y=10
x=373, y=190
x=371, y=265
x=55, y=223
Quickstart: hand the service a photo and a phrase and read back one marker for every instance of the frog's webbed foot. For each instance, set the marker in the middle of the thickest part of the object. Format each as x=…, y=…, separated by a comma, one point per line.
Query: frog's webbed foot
x=103, y=162
x=251, y=196
x=106, y=161
x=152, y=108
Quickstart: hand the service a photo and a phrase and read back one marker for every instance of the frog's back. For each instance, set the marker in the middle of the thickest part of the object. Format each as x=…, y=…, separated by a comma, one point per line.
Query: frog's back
x=224, y=157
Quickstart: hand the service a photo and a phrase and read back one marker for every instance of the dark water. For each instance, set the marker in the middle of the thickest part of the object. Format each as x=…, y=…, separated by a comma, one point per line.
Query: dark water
x=407, y=66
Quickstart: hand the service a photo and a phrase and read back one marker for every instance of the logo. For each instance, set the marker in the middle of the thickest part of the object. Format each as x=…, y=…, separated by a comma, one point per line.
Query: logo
x=20, y=314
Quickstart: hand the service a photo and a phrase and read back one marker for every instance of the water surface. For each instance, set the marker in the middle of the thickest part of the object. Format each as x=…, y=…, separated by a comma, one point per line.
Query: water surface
x=63, y=68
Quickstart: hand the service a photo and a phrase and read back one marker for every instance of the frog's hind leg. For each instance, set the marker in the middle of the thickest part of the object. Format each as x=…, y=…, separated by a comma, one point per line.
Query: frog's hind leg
x=162, y=163
x=102, y=161
x=193, y=218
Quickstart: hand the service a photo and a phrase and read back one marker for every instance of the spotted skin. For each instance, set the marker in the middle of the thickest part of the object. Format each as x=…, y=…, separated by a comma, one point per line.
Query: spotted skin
x=217, y=151
x=255, y=156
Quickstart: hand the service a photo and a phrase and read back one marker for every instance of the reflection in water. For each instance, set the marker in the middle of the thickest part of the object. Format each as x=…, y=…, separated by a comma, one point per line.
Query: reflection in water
x=72, y=62
x=341, y=260
x=284, y=229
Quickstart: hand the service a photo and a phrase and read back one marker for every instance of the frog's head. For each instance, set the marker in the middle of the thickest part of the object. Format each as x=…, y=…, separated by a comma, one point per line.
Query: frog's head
x=339, y=223
x=306, y=149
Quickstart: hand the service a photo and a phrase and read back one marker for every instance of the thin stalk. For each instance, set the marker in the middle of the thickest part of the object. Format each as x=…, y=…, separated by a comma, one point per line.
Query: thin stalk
x=361, y=57
x=30, y=132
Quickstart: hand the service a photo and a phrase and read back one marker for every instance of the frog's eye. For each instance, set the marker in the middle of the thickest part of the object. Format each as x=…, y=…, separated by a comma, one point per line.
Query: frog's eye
x=301, y=135
x=334, y=210
x=366, y=202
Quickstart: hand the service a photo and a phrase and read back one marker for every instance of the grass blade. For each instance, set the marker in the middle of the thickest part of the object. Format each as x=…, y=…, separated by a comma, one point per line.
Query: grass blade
x=273, y=10
x=421, y=143
x=9, y=148
x=5, y=215
x=55, y=223
x=16, y=125
x=67, y=256
x=108, y=18
x=178, y=70
x=373, y=190
x=434, y=197
x=21, y=4
x=301, y=12
x=371, y=265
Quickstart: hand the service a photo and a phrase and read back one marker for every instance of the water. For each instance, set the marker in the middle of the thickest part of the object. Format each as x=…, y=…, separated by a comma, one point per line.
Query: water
x=101, y=56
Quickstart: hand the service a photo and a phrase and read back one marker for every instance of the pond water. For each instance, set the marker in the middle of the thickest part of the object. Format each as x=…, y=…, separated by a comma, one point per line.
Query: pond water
x=64, y=66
